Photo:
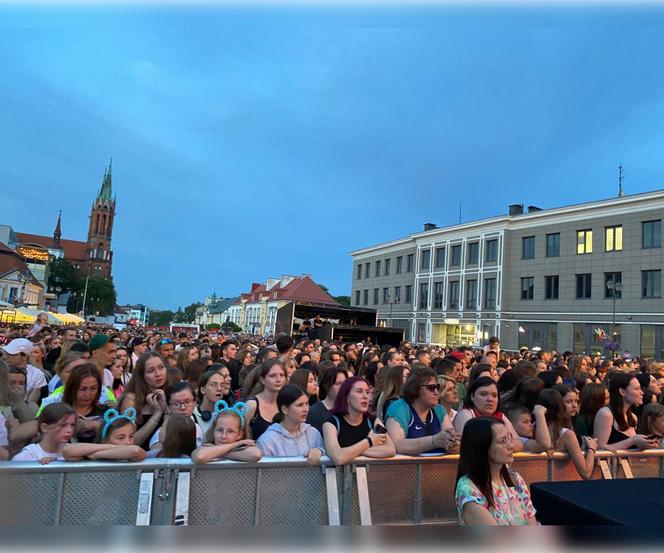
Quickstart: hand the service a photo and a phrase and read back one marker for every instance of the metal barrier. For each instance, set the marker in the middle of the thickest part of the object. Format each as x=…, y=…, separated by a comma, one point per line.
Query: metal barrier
x=274, y=491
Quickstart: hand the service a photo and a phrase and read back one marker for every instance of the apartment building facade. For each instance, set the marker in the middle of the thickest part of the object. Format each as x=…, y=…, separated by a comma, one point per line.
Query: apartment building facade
x=534, y=278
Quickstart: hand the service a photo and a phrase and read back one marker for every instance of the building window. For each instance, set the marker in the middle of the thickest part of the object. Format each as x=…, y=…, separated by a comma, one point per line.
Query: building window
x=454, y=294
x=438, y=295
x=399, y=264
x=367, y=270
x=528, y=247
x=551, y=284
x=440, y=258
x=491, y=251
x=471, y=294
x=425, y=260
x=473, y=253
x=613, y=238
x=397, y=294
x=489, y=293
x=612, y=285
x=527, y=288
x=359, y=272
x=553, y=245
x=388, y=262
x=386, y=295
x=378, y=268
x=652, y=234
x=357, y=297
x=375, y=296
x=456, y=256
x=409, y=294
x=583, y=286
x=410, y=262
x=584, y=241
x=424, y=295
x=651, y=284
x=366, y=297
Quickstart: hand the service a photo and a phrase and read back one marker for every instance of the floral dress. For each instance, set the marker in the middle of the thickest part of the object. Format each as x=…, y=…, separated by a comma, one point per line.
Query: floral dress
x=512, y=505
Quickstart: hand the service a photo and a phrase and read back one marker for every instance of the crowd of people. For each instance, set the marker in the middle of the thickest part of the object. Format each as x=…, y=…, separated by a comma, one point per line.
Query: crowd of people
x=99, y=394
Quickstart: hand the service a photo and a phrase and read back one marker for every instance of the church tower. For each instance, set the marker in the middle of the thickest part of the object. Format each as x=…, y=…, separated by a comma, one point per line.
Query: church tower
x=98, y=253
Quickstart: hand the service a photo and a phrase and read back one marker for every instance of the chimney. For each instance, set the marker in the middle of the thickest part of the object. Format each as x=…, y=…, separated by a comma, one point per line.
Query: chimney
x=533, y=208
x=516, y=209
x=429, y=226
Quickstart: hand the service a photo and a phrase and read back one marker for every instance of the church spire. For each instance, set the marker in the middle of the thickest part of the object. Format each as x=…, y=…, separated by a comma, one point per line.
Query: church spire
x=106, y=192
x=57, y=233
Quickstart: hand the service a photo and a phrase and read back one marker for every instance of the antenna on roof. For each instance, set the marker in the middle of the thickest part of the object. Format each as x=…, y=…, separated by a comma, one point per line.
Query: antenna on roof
x=621, y=175
x=459, y=212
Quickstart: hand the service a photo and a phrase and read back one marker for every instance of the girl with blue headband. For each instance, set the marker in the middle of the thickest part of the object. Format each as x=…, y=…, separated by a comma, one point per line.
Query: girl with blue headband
x=227, y=437
x=115, y=440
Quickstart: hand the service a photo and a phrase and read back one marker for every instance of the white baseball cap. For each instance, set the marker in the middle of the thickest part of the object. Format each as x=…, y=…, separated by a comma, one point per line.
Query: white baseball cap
x=19, y=345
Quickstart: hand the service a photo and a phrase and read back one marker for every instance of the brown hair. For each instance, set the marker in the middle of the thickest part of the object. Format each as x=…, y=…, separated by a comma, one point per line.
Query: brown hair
x=417, y=378
x=137, y=384
x=177, y=436
x=74, y=382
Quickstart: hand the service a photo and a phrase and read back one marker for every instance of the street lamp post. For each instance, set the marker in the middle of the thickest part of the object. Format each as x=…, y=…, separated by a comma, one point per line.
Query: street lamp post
x=391, y=302
x=616, y=288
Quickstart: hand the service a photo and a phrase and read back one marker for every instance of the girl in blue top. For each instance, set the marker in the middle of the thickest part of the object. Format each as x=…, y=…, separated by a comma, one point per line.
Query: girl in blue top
x=417, y=423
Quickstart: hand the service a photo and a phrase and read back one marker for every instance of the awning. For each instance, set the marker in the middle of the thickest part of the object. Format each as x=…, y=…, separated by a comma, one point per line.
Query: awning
x=31, y=313
x=69, y=318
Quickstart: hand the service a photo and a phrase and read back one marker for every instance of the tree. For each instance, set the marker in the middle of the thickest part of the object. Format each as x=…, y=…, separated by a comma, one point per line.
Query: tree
x=230, y=325
x=100, y=297
x=161, y=318
x=61, y=275
x=343, y=300
x=213, y=326
x=188, y=315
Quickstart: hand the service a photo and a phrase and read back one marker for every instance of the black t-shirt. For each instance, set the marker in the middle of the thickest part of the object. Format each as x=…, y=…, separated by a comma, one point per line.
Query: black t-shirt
x=88, y=436
x=318, y=415
x=348, y=434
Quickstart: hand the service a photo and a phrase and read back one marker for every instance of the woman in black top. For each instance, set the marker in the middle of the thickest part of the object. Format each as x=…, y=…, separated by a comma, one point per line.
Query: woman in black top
x=262, y=408
x=615, y=425
x=352, y=431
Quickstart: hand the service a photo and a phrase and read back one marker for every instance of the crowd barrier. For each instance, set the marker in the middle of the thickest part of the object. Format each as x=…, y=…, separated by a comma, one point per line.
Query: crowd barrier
x=273, y=492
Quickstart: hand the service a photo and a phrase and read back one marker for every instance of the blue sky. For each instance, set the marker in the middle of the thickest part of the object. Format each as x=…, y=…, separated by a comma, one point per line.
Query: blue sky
x=252, y=142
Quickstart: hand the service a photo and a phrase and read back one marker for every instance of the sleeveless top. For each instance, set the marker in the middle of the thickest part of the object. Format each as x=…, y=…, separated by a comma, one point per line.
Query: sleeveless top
x=420, y=429
x=258, y=424
x=347, y=434
x=616, y=435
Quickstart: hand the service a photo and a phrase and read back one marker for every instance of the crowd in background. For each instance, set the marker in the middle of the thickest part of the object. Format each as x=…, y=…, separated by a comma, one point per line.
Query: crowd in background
x=79, y=393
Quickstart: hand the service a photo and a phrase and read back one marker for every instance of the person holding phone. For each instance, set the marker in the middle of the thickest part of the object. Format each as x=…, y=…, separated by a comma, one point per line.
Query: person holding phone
x=352, y=431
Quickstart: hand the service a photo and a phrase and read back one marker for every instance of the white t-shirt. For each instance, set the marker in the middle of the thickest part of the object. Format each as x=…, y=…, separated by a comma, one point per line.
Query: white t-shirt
x=35, y=379
x=199, y=436
x=108, y=379
x=4, y=442
x=34, y=452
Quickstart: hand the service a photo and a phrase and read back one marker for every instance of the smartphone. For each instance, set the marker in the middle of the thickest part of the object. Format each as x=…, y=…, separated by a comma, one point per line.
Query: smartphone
x=654, y=437
x=379, y=429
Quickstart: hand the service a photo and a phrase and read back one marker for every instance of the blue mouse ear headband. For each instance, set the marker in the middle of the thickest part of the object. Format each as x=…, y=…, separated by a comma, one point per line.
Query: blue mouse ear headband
x=112, y=415
x=239, y=408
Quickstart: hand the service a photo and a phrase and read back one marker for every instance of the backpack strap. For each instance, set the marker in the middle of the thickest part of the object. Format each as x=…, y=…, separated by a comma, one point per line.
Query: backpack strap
x=337, y=423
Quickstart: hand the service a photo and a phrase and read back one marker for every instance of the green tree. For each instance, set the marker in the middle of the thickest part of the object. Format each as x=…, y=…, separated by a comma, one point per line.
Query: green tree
x=99, y=298
x=230, y=325
x=61, y=275
x=161, y=318
x=343, y=300
x=188, y=315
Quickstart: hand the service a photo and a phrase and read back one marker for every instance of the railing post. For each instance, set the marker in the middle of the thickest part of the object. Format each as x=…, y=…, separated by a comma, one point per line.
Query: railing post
x=347, y=495
x=363, y=495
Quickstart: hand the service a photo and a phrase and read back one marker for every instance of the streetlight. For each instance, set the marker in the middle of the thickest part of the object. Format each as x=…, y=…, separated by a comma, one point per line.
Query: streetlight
x=616, y=288
x=391, y=302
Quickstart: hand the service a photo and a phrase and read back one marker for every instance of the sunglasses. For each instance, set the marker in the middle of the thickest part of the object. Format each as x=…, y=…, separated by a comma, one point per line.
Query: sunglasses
x=431, y=387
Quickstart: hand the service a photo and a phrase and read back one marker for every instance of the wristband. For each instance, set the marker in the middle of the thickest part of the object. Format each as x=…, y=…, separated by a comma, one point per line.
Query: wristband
x=370, y=441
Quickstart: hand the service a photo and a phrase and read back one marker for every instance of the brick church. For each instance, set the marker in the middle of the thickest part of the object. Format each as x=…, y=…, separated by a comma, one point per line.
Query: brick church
x=94, y=256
